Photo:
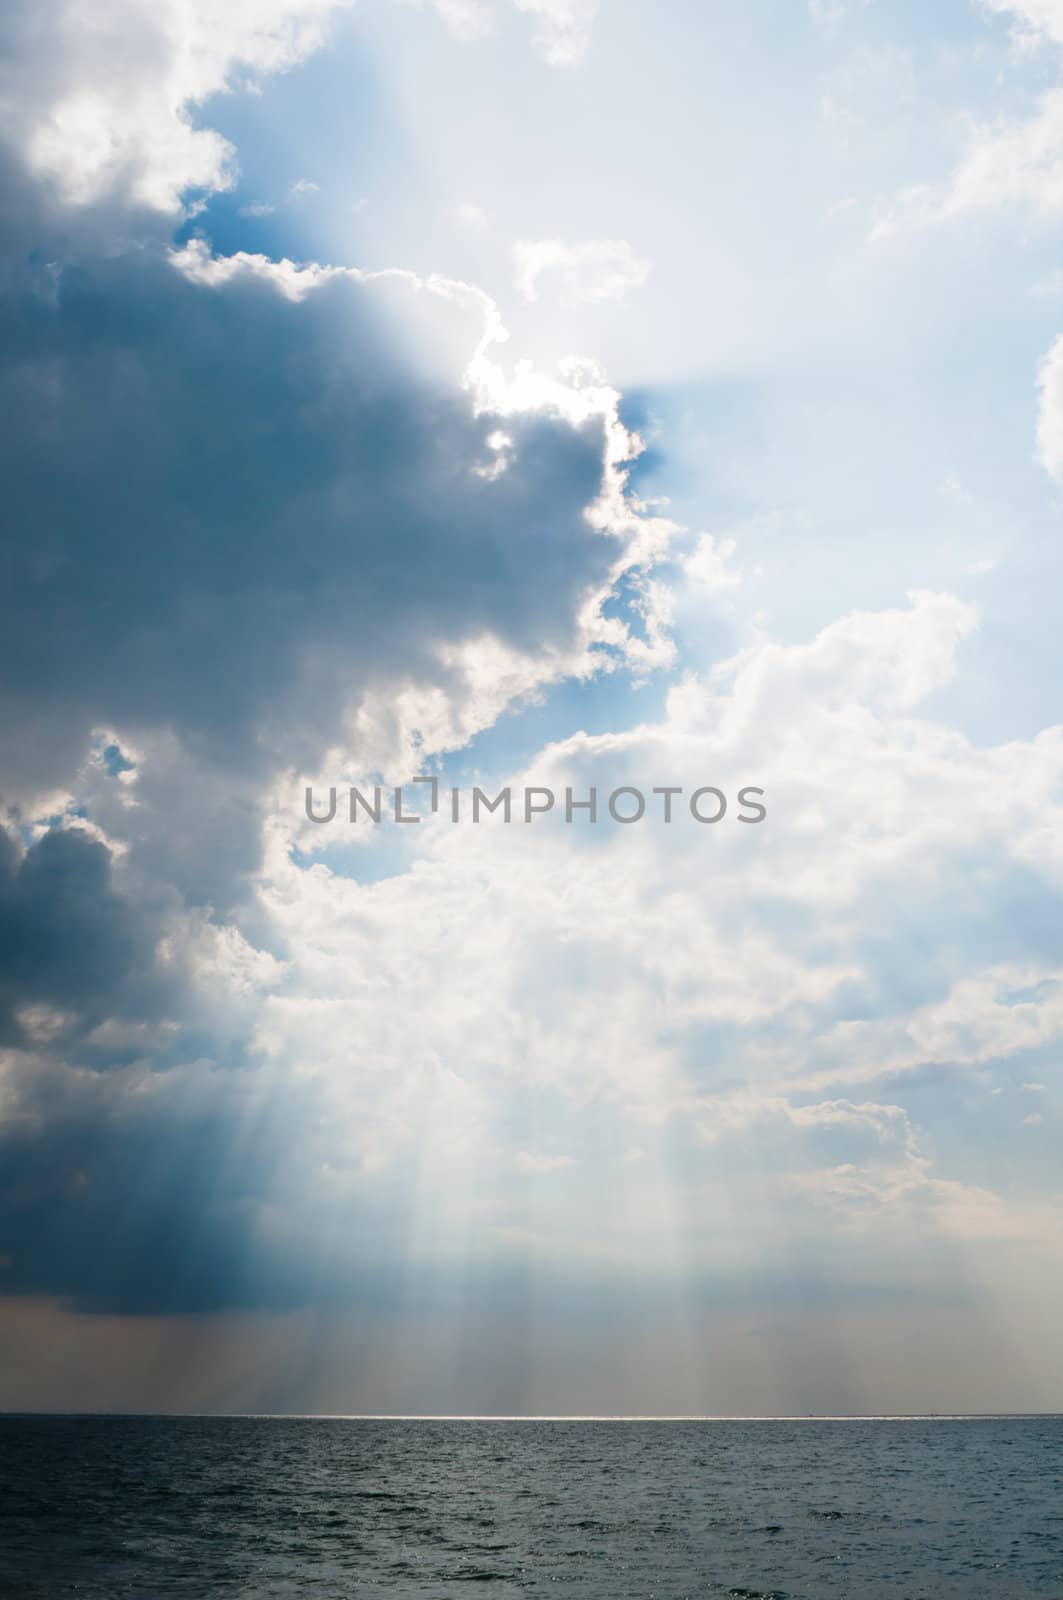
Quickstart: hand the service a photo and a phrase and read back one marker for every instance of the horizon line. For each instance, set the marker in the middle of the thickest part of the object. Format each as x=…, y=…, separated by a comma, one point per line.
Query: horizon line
x=474, y=1416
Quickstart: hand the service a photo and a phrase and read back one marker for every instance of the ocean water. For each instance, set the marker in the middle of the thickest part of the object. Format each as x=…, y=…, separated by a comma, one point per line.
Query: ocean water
x=110, y=1507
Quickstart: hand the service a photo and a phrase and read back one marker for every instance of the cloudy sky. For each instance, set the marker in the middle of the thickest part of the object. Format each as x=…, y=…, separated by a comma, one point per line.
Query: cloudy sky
x=560, y=394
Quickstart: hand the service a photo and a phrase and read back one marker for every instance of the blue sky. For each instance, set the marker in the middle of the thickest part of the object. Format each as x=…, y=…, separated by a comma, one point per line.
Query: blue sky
x=543, y=393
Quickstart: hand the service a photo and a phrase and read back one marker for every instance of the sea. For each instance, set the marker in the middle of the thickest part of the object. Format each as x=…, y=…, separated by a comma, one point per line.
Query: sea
x=267, y=1507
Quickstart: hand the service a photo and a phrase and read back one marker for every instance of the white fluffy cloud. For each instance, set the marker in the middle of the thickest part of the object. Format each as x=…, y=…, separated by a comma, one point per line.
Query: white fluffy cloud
x=1013, y=162
x=1020, y=161
x=1008, y=160
x=591, y=270
x=562, y=27
x=1036, y=21
x=733, y=981
x=100, y=102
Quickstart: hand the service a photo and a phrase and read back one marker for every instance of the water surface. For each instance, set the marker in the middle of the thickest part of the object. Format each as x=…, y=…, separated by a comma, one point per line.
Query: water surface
x=111, y=1508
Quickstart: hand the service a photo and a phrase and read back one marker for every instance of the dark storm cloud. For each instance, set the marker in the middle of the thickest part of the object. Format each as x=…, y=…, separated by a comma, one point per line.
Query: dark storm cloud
x=68, y=942
x=230, y=514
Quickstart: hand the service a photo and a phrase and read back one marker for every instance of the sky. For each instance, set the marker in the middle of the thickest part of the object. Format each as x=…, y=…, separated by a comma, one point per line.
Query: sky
x=531, y=395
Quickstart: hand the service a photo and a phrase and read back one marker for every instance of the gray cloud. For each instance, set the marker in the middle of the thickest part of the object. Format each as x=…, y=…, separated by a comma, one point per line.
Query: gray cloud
x=233, y=514
x=73, y=952
x=234, y=518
